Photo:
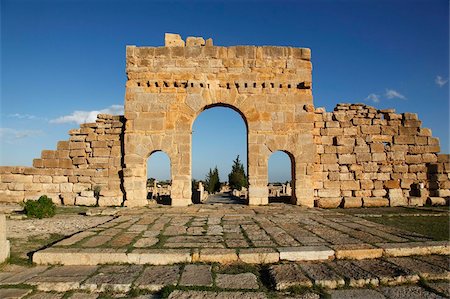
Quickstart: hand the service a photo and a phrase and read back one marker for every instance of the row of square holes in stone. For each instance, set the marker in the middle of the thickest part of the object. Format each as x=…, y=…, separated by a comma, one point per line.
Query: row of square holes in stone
x=301, y=85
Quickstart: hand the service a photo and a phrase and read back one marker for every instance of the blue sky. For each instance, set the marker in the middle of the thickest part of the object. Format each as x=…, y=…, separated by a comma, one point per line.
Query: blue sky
x=60, y=57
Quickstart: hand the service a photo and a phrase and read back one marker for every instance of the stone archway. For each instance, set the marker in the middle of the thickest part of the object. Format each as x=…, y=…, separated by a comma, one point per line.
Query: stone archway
x=168, y=87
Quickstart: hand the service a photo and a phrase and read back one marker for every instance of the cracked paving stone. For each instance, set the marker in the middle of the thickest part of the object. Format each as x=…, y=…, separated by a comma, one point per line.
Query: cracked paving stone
x=114, y=278
x=11, y=293
x=322, y=275
x=237, y=281
x=123, y=240
x=23, y=276
x=42, y=295
x=145, y=242
x=442, y=261
x=196, y=275
x=355, y=276
x=154, y=278
x=387, y=273
x=96, y=241
x=423, y=269
x=80, y=295
x=288, y=275
x=440, y=287
x=214, y=295
x=410, y=292
x=355, y=294
x=63, y=278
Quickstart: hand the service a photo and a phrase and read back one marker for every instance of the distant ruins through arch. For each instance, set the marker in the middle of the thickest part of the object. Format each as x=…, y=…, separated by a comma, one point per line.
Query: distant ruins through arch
x=354, y=156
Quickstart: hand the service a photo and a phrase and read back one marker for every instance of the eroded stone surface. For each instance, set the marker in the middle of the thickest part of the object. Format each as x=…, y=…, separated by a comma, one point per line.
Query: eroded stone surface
x=237, y=281
x=399, y=292
x=196, y=275
x=154, y=278
x=288, y=275
x=10, y=293
x=322, y=275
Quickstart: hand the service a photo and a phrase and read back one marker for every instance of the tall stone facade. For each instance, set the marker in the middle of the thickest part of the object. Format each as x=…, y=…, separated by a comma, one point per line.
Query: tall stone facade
x=168, y=87
x=353, y=156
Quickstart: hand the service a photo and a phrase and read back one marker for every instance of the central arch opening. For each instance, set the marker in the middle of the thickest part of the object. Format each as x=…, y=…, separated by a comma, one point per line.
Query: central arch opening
x=219, y=141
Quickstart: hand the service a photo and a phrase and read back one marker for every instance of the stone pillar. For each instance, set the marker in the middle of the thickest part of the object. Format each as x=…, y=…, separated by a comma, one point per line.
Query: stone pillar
x=258, y=192
x=181, y=168
x=4, y=244
x=303, y=186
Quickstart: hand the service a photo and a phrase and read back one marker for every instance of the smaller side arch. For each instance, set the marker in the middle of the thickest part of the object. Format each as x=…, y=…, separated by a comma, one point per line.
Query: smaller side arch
x=158, y=176
x=287, y=191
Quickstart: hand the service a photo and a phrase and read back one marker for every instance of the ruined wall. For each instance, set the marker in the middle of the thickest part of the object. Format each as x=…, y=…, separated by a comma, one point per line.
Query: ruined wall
x=91, y=157
x=369, y=157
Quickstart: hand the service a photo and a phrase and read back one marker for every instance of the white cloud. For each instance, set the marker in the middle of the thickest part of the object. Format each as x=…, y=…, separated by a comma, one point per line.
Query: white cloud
x=373, y=97
x=80, y=117
x=25, y=116
x=440, y=81
x=10, y=135
x=393, y=94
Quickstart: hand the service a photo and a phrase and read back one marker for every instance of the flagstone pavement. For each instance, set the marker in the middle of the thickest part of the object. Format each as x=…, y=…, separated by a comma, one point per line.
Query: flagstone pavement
x=235, y=251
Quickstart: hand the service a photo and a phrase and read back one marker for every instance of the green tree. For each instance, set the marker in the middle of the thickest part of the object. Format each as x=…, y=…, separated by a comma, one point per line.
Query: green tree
x=237, y=178
x=212, y=181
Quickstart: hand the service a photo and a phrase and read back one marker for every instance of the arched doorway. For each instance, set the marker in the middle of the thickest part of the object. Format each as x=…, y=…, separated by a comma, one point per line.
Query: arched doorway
x=158, y=177
x=219, y=138
x=281, y=174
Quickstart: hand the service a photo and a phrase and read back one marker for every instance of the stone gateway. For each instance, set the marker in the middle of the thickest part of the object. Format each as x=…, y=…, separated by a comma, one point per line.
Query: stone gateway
x=354, y=156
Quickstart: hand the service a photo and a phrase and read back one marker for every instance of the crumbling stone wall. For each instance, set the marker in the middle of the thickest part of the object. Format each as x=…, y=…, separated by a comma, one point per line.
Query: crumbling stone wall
x=369, y=157
x=91, y=157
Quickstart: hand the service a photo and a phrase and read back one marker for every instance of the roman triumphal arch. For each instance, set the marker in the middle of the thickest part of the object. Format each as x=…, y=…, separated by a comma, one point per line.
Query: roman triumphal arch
x=168, y=87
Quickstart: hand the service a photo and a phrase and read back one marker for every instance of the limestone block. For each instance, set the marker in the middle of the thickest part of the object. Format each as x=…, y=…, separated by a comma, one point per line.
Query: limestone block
x=369, y=202
x=415, y=201
x=105, y=201
x=350, y=185
x=392, y=184
x=85, y=201
x=329, y=203
x=443, y=192
x=194, y=41
x=437, y=201
x=397, y=198
x=329, y=193
x=352, y=202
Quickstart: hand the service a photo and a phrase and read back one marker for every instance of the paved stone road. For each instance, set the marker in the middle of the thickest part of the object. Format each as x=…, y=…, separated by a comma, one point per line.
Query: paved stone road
x=228, y=233
x=370, y=278
x=235, y=251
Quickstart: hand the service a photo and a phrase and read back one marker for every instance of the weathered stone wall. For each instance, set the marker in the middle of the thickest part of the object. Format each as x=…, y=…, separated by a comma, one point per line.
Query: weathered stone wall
x=369, y=157
x=354, y=156
x=168, y=87
x=91, y=157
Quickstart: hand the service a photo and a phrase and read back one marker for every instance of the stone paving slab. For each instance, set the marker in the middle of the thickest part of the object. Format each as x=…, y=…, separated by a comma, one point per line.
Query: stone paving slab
x=196, y=275
x=440, y=287
x=322, y=275
x=387, y=273
x=215, y=295
x=408, y=291
x=355, y=294
x=237, y=281
x=154, y=278
x=112, y=278
x=22, y=276
x=285, y=276
x=296, y=233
